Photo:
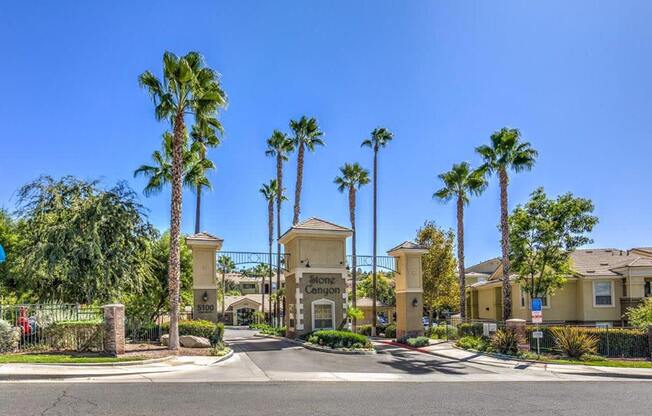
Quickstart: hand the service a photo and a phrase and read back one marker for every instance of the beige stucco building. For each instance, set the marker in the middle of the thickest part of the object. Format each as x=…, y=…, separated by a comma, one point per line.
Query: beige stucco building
x=604, y=284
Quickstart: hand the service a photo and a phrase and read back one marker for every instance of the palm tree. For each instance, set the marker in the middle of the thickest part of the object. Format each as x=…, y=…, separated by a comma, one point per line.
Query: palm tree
x=353, y=177
x=461, y=182
x=204, y=136
x=279, y=146
x=227, y=266
x=306, y=135
x=188, y=87
x=506, y=151
x=378, y=140
x=269, y=192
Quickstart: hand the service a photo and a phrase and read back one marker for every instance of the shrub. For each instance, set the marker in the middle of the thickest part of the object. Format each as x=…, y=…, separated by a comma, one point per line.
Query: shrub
x=79, y=336
x=217, y=336
x=443, y=332
x=612, y=342
x=219, y=350
x=417, y=342
x=270, y=330
x=9, y=337
x=339, y=339
x=365, y=330
x=198, y=328
x=390, y=331
x=641, y=316
x=355, y=313
x=505, y=341
x=474, y=330
x=471, y=342
x=574, y=342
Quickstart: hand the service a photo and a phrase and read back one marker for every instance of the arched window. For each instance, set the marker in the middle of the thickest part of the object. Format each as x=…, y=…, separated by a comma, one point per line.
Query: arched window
x=323, y=314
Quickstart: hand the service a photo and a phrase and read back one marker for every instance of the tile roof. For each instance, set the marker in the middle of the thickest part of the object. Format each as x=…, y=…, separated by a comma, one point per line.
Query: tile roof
x=485, y=267
x=409, y=245
x=257, y=298
x=204, y=236
x=600, y=261
x=367, y=303
x=319, y=224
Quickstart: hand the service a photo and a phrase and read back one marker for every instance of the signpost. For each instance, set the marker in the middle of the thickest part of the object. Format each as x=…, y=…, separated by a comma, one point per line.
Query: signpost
x=537, y=318
x=3, y=256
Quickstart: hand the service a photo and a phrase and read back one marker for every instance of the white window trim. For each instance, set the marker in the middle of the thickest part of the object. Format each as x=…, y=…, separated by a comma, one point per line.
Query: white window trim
x=613, y=294
x=322, y=301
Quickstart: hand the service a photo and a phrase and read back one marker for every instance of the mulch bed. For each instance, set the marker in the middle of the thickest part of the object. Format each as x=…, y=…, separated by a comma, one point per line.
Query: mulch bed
x=158, y=351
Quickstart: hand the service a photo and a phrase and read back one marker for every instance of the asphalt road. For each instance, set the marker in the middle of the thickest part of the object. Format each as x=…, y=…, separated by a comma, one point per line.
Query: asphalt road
x=314, y=398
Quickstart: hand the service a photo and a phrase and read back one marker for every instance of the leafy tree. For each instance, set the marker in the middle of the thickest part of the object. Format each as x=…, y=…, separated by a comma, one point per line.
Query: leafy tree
x=385, y=287
x=81, y=243
x=641, y=316
x=440, y=286
x=352, y=178
x=279, y=146
x=543, y=234
x=153, y=299
x=188, y=87
x=506, y=152
x=10, y=241
x=380, y=137
x=226, y=265
x=306, y=136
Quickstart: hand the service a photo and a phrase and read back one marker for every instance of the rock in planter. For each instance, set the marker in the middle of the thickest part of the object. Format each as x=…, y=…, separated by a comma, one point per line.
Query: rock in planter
x=191, y=341
x=165, y=339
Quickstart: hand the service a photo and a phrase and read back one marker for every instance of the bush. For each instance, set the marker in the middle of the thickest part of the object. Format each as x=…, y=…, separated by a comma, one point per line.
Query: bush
x=472, y=330
x=9, y=337
x=641, y=316
x=81, y=336
x=505, y=341
x=390, y=331
x=471, y=342
x=365, y=330
x=573, y=342
x=355, y=313
x=612, y=342
x=417, y=342
x=217, y=337
x=339, y=339
x=270, y=330
x=441, y=331
x=198, y=328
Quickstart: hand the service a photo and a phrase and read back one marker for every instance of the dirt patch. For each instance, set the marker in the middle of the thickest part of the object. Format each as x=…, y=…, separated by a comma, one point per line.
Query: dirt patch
x=157, y=351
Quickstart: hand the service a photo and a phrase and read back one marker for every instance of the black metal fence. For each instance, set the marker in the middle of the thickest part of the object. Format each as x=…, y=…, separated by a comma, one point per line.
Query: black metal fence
x=43, y=327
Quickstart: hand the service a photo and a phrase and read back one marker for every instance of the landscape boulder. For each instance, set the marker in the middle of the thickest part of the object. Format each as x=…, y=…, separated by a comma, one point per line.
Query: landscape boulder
x=165, y=339
x=191, y=341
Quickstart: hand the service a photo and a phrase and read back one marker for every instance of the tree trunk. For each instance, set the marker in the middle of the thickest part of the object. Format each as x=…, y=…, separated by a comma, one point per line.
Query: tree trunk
x=504, y=230
x=299, y=185
x=373, y=260
x=354, y=263
x=223, y=291
x=270, y=225
x=174, y=266
x=198, y=211
x=279, y=198
x=460, y=255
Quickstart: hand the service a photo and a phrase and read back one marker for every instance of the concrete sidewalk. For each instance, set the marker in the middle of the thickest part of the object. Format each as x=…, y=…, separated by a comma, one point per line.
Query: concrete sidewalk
x=447, y=349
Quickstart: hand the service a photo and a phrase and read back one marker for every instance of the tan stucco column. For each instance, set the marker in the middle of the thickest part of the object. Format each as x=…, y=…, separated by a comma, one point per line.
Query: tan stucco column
x=409, y=289
x=204, y=284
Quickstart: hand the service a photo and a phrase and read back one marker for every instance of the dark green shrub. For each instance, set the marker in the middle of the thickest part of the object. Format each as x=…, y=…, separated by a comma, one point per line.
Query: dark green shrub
x=270, y=330
x=339, y=339
x=443, y=332
x=505, y=341
x=81, y=336
x=198, y=328
x=573, y=342
x=365, y=330
x=471, y=342
x=612, y=342
x=217, y=337
x=390, y=331
x=417, y=342
x=470, y=329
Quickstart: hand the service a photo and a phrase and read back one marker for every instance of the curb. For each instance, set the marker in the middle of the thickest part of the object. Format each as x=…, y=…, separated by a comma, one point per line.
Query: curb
x=314, y=347
x=223, y=358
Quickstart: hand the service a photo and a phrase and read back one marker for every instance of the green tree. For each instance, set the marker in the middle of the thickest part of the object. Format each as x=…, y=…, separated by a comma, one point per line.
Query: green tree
x=279, y=146
x=226, y=265
x=81, y=243
x=380, y=137
x=353, y=176
x=506, y=152
x=441, y=288
x=306, y=136
x=385, y=287
x=460, y=183
x=188, y=87
x=10, y=241
x=543, y=234
x=641, y=316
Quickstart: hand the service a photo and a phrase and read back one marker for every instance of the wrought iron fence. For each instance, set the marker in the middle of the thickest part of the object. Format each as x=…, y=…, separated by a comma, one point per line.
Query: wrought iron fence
x=42, y=327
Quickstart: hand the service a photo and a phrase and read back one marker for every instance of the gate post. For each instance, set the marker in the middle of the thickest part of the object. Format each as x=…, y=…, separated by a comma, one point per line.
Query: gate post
x=114, y=329
x=409, y=289
x=204, y=274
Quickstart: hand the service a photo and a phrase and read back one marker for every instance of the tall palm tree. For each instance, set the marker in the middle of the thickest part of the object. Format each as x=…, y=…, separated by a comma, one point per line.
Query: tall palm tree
x=352, y=178
x=269, y=192
x=506, y=152
x=460, y=183
x=226, y=265
x=306, y=136
x=378, y=140
x=204, y=135
x=279, y=146
x=187, y=87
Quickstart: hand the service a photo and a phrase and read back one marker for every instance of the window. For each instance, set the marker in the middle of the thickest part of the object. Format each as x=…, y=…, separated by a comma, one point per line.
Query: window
x=248, y=285
x=545, y=300
x=323, y=314
x=602, y=294
x=648, y=288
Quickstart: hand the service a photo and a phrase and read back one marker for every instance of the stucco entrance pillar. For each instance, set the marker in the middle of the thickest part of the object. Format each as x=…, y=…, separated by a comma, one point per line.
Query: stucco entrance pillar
x=409, y=289
x=204, y=285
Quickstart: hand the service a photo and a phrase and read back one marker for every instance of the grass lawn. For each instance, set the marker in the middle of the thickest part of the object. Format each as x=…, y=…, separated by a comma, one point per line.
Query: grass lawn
x=61, y=358
x=605, y=363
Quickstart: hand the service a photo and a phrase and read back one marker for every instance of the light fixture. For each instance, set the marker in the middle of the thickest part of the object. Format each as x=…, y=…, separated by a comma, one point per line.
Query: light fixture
x=307, y=263
x=205, y=297
x=415, y=302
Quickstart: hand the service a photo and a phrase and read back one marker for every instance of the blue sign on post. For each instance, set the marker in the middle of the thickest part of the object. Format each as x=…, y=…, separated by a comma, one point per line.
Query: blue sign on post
x=536, y=305
x=3, y=256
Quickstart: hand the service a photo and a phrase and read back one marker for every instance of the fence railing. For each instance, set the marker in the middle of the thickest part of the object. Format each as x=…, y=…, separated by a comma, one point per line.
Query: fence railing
x=55, y=326
x=146, y=331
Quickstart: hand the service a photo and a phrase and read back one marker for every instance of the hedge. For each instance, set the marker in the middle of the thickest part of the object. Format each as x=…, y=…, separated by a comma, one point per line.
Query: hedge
x=269, y=329
x=390, y=331
x=613, y=342
x=199, y=328
x=339, y=339
x=81, y=336
x=441, y=331
x=471, y=329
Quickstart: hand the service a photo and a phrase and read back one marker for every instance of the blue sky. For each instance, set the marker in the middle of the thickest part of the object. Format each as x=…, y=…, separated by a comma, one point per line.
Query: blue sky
x=573, y=76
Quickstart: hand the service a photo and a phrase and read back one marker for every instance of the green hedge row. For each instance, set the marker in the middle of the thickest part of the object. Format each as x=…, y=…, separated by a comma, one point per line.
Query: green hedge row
x=613, y=342
x=81, y=336
x=199, y=328
x=339, y=339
